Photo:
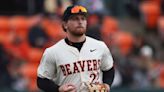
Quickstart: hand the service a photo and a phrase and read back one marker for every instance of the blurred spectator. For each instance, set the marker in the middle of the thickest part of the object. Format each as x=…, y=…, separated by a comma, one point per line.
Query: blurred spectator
x=138, y=43
x=94, y=25
x=37, y=36
x=132, y=7
x=53, y=28
x=56, y=6
x=126, y=70
x=19, y=84
x=142, y=79
x=5, y=78
x=150, y=12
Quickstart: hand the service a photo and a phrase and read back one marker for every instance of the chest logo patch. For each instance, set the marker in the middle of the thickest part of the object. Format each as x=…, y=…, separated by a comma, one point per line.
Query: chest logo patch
x=92, y=50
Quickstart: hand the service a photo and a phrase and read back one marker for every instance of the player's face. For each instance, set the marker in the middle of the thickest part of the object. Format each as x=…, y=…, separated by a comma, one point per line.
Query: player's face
x=76, y=25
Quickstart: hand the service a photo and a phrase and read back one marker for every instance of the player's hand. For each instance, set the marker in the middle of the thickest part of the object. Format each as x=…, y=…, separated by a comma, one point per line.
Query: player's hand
x=67, y=88
x=107, y=87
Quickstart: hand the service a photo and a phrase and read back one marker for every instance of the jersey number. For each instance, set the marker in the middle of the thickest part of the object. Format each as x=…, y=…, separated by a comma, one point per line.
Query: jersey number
x=94, y=77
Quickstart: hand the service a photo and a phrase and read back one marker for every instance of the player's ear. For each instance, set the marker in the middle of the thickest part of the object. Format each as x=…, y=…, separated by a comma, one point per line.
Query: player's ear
x=64, y=26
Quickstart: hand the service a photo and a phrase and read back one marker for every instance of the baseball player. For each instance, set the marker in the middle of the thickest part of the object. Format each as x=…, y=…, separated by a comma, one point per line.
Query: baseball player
x=75, y=60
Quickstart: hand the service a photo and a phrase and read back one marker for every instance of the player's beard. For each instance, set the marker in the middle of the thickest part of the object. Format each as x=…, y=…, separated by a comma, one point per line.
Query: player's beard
x=79, y=31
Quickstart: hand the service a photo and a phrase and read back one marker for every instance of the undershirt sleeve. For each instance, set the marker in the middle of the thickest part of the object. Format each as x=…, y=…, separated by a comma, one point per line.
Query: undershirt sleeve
x=108, y=76
x=47, y=85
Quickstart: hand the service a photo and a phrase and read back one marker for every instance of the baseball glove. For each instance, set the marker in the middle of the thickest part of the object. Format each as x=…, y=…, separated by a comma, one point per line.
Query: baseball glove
x=95, y=87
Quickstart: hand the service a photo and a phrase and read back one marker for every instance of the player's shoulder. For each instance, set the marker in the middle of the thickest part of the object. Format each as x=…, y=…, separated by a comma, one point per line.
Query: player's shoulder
x=95, y=41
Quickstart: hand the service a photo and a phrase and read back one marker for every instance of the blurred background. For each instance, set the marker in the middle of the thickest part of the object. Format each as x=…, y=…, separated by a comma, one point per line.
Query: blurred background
x=132, y=29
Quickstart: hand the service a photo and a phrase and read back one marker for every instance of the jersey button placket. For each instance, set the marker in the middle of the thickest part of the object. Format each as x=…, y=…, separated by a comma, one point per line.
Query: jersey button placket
x=81, y=73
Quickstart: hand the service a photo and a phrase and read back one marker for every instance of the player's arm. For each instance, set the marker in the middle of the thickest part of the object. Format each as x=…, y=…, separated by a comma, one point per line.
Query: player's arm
x=47, y=85
x=46, y=72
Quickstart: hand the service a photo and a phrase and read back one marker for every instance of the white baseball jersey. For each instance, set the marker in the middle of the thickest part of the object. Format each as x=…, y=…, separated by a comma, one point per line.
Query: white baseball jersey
x=63, y=63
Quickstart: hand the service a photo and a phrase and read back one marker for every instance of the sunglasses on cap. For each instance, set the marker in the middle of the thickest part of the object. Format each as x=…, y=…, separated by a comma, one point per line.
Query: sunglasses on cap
x=78, y=9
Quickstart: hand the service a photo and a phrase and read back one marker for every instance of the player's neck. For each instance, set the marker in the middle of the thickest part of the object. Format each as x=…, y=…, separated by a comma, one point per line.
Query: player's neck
x=76, y=38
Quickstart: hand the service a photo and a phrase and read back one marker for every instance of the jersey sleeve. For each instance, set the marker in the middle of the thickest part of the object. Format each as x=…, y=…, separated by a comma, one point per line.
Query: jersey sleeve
x=46, y=68
x=107, y=60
